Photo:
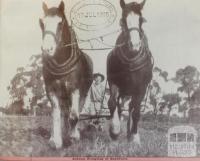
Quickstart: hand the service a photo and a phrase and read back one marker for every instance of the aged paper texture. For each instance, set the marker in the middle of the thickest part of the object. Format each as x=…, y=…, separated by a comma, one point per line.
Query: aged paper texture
x=99, y=78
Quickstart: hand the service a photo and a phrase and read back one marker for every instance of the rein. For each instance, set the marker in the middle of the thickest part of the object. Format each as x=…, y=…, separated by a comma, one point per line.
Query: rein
x=68, y=66
x=99, y=39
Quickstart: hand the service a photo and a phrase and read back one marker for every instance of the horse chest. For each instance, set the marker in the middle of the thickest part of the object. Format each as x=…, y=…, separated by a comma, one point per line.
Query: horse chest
x=60, y=86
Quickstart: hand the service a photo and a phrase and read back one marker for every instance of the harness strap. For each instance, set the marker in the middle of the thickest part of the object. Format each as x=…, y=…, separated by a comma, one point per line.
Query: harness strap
x=137, y=62
x=68, y=66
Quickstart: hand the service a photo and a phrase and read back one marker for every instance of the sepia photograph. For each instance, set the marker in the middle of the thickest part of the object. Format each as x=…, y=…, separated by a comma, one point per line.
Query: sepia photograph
x=99, y=79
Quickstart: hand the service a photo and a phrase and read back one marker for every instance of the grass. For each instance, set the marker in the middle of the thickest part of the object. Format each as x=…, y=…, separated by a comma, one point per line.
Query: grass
x=28, y=136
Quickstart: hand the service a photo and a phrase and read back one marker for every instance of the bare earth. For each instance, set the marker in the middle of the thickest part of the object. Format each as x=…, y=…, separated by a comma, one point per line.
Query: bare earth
x=28, y=136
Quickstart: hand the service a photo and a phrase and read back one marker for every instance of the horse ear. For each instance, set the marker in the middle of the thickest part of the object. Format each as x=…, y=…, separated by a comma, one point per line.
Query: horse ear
x=41, y=24
x=142, y=4
x=144, y=20
x=122, y=4
x=45, y=8
x=61, y=7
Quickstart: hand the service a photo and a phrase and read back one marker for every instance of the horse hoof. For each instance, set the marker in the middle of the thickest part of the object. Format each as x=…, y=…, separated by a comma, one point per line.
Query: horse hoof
x=113, y=135
x=73, y=140
x=135, y=139
x=75, y=135
x=54, y=145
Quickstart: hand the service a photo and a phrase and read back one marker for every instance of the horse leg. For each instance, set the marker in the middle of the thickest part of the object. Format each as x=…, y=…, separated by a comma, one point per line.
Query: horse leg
x=113, y=104
x=134, y=116
x=122, y=102
x=74, y=115
x=56, y=130
x=82, y=101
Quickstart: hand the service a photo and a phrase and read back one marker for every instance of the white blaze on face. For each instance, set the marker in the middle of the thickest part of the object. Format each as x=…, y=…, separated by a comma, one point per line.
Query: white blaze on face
x=49, y=43
x=133, y=22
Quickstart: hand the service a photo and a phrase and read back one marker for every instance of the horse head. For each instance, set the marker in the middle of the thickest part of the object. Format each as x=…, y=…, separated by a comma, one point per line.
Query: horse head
x=54, y=26
x=131, y=23
x=67, y=73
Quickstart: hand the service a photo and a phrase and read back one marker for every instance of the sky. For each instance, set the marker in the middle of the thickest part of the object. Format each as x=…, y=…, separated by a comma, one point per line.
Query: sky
x=172, y=28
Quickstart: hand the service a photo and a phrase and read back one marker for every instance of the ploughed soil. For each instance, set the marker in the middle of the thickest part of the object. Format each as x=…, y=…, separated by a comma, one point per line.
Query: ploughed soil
x=24, y=136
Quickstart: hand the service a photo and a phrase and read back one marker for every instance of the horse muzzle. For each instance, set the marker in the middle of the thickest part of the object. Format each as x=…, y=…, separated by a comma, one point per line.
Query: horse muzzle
x=47, y=51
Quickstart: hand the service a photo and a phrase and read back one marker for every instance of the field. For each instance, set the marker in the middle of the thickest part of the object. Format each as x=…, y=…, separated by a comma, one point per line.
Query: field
x=28, y=136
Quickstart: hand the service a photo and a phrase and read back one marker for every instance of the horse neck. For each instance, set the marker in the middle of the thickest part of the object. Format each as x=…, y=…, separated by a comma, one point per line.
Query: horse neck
x=65, y=51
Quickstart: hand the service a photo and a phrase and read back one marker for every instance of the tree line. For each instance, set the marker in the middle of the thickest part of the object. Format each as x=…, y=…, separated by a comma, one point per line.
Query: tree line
x=28, y=83
x=186, y=96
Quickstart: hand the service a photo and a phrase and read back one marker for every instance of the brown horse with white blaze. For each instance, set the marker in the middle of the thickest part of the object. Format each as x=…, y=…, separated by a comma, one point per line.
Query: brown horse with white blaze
x=67, y=73
x=129, y=69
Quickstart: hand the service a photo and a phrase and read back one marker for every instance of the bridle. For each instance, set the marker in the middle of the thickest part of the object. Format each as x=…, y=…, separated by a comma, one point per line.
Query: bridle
x=129, y=43
x=141, y=55
x=126, y=31
x=141, y=33
x=57, y=39
x=68, y=66
x=134, y=29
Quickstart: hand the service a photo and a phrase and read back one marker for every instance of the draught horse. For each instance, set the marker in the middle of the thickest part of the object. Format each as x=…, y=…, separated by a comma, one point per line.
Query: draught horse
x=129, y=70
x=67, y=73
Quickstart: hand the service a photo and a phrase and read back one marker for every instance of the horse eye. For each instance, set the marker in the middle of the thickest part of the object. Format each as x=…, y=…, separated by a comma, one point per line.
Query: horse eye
x=60, y=23
x=143, y=20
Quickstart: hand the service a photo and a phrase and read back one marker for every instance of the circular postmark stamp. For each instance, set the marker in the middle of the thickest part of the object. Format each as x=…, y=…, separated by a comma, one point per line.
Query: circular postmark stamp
x=92, y=15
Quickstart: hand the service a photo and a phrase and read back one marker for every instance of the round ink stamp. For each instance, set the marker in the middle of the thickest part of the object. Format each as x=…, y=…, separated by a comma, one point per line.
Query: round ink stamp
x=93, y=15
